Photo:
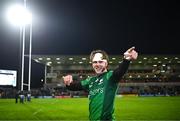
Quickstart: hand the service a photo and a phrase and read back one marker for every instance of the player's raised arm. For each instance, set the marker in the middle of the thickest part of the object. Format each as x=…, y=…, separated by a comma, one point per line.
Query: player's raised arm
x=129, y=55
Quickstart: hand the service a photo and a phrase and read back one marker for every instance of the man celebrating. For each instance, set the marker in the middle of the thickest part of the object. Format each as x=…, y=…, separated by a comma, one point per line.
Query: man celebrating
x=102, y=87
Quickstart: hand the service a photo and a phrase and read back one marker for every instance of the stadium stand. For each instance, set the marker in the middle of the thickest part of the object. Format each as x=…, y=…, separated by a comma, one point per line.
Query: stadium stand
x=148, y=75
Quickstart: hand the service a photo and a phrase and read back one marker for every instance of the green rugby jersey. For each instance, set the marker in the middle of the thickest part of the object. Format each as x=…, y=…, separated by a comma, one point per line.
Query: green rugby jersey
x=102, y=90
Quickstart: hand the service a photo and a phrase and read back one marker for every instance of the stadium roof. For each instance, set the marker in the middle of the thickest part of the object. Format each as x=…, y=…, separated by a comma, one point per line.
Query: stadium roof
x=55, y=60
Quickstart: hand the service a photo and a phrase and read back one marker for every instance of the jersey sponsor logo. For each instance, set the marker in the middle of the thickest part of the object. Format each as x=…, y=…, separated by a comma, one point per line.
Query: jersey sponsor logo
x=96, y=91
x=95, y=87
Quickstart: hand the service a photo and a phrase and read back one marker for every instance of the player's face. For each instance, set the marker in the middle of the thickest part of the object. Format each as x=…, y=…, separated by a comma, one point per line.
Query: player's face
x=99, y=64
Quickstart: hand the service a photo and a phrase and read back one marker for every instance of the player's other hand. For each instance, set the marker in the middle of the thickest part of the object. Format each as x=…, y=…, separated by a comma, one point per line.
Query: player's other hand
x=68, y=79
x=131, y=54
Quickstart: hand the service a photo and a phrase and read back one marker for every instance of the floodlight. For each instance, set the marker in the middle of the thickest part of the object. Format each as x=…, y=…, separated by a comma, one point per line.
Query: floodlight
x=19, y=15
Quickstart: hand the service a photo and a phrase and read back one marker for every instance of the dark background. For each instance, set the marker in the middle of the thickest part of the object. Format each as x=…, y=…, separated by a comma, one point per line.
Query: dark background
x=75, y=27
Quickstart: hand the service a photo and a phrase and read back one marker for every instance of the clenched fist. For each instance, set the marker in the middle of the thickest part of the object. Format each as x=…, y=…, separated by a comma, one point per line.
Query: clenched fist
x=68, y=79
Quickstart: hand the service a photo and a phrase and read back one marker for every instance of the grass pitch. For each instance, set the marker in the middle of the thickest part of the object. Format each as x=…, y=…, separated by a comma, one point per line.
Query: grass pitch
x=126, y=108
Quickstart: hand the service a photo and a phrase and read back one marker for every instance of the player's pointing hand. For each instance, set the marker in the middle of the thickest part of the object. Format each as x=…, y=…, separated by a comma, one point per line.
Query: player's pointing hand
x=131, y=54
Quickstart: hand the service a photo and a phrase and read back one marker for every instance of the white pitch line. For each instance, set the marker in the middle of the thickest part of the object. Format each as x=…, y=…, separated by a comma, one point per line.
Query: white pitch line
x=37, y=112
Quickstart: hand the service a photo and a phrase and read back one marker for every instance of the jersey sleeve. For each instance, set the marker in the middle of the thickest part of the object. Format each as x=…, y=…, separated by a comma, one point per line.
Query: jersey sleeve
x=79, y=85
x=119, y=72
x=75, y=86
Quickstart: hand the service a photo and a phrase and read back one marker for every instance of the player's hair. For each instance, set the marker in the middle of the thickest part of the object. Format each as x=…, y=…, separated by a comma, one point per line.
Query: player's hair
x=105, y=55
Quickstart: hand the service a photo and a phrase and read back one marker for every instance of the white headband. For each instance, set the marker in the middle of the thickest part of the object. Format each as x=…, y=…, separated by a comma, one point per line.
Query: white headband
x=98, y=57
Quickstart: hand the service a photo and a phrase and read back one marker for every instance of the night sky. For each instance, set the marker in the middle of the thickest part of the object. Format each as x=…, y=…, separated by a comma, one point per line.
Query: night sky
x=75, y=27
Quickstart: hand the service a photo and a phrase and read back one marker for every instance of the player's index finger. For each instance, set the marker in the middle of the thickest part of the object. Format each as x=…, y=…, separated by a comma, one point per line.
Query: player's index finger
x=131, y=49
